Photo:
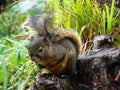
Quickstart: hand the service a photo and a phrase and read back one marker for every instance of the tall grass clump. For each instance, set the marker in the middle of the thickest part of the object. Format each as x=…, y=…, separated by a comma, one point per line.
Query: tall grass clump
x=15, y=67
x=86, y=17
x=109, y=18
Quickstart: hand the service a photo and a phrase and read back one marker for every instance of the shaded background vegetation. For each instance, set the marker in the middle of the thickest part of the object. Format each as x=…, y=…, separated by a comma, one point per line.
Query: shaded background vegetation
x=87, y=17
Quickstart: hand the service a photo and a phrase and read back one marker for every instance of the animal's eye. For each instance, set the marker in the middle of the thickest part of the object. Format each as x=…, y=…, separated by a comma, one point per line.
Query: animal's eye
x=40, y=49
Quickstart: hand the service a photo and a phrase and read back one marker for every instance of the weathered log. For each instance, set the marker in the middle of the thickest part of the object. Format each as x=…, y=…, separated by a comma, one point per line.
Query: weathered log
x=98, y=70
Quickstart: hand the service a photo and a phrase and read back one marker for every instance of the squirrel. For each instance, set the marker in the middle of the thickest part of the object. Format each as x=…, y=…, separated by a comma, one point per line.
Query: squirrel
x=55, y=50
x=58, y=56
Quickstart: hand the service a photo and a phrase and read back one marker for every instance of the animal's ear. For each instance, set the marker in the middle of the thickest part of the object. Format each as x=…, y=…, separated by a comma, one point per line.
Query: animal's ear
x=46, y=40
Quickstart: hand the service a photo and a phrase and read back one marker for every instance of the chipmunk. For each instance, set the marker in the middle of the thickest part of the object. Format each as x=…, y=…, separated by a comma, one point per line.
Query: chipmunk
x=55, y=50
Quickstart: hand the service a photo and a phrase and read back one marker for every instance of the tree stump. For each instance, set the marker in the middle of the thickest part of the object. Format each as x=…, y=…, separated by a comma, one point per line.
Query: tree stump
x=101, y=69
x=98, y=70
